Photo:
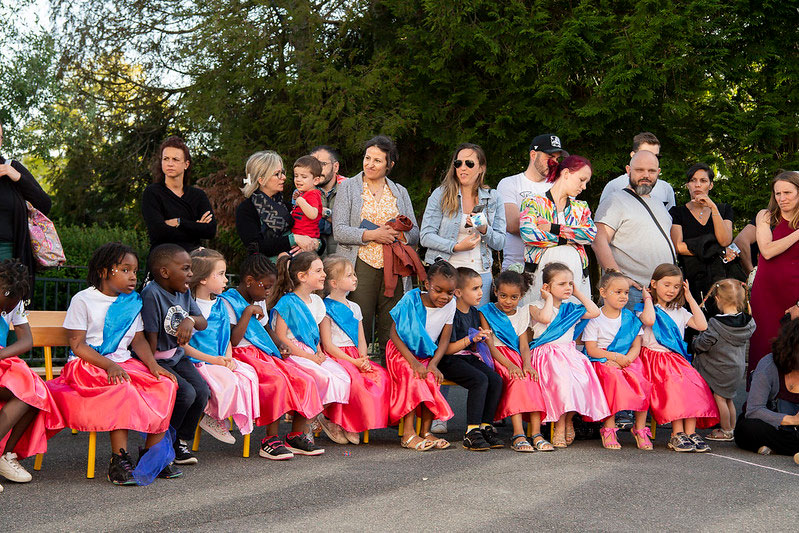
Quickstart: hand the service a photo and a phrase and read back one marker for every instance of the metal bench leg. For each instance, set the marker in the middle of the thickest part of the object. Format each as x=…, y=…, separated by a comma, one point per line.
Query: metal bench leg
x=195, y=445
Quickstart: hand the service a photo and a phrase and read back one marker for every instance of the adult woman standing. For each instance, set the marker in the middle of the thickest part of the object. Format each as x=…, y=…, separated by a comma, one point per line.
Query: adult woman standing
x=448, y=228
x=17, y=185
x=557, y=226
x=364, y=205
x=701, y=231
x=263, y=220
x=776, y=286
x=174, y=211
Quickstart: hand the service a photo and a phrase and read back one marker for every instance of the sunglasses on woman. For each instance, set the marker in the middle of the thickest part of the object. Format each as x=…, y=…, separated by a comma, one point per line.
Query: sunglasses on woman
x=458, y=163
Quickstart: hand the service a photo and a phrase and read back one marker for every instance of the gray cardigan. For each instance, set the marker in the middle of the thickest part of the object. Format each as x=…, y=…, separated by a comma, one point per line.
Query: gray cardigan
x=761, y=403
x=347, y=215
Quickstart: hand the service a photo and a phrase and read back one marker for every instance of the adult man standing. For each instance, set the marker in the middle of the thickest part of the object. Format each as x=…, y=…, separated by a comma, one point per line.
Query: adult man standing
x=514, y=189
x=631, y=238
x=662, y=191
x=329, y=159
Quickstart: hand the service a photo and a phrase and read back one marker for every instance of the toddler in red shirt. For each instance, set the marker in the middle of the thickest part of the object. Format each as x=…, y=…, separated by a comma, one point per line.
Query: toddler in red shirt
x=307, y=211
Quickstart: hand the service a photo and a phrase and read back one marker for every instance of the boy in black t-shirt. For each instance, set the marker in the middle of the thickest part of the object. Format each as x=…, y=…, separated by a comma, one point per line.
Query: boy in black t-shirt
x=463, y=365
x=169, y=314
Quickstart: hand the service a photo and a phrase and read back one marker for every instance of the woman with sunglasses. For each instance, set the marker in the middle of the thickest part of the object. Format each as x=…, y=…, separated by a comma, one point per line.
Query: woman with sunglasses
x=464, y=221
x=263, y=220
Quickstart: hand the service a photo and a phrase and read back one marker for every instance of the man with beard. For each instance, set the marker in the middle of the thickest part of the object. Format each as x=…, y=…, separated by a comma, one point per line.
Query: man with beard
x=329, y=160
x=514, y=189
x=630, y=239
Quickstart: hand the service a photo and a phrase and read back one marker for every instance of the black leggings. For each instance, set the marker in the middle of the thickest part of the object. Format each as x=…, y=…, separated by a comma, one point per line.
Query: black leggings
x=484, y=385
x=751, y=434
x=193, y=393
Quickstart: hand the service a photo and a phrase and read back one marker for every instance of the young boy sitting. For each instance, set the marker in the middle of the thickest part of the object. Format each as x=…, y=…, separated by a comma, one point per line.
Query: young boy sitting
x=169, y=314
x=308, y=209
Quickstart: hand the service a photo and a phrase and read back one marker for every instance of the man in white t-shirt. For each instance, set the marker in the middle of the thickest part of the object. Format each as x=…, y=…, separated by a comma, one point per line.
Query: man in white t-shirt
x=514, y=189
x=662, y=190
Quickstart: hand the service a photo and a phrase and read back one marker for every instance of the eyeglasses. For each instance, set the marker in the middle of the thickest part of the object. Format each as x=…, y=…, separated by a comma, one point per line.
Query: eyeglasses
x=280, y=172
x=469, y=163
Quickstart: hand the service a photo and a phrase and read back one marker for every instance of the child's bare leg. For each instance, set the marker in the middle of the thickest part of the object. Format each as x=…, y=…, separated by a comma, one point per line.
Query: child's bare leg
x=299, y=424
x=152, y=439
x=640, y=420
x=677, y=426
x=15, y=417
x=560, y=429
x=609, y=422
x=733, y=417
x=273, y=428
x=408, y=429
x=724, y=412
x=518, y=424
x=535, y=422
x=119, y=440
x=690, y=426
x=427, y=420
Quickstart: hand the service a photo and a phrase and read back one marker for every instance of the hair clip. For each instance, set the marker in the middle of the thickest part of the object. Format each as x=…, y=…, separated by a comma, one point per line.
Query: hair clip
x=7, y=293
x=248, y=180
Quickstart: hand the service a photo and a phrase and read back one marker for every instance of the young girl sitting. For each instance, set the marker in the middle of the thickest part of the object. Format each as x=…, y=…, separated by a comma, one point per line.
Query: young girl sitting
x=233, y=384
x=102, y=387
x=296, y=313
x=679, y=394
x=613, y=342
x=720, y=351
x=343, y=339
x=510, y=348
x=420, y=335
x=568, y=380
x=27, y=410
x=282, y=388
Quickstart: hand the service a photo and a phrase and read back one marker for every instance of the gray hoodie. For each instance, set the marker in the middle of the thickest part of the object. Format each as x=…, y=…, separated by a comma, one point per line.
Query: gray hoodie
x=720, y=352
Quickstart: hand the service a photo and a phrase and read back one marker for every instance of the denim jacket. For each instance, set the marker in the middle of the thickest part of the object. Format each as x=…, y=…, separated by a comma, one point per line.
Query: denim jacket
x=439, y=234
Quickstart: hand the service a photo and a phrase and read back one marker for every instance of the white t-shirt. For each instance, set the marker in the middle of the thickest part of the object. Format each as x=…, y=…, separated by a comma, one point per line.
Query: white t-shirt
x=318, y=310
x=513, y=190
x=337, y=334
x=520, y=322
x=539, y=328
x=681, y=316
x=16, y=316
x=603, y=330
x=264, y=320
x=662, y=190
x=438, y=317
x=87, y=312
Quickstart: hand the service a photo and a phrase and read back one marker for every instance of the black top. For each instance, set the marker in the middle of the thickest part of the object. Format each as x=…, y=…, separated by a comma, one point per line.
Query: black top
x=754, y=249
x=681, y=216
x=159, y=204
x=7, y=205
x=253, y=233
x=15, y=221
x=461, y=323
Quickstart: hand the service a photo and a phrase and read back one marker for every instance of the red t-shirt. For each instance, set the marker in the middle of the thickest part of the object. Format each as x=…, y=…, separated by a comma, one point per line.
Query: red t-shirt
x=302, y=224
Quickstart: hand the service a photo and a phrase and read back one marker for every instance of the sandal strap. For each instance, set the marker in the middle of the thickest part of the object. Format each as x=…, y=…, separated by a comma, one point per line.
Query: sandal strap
x=537, y=435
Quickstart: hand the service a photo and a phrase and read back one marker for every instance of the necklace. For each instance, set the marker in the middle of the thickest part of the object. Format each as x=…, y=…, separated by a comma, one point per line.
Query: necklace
x=701, y=214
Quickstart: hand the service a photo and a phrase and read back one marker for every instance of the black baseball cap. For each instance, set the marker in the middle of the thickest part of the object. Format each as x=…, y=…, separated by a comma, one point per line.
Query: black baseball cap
x=548, y=143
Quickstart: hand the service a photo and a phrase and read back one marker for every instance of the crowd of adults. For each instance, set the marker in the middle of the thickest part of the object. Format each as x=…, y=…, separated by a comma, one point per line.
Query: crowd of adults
x=533, y=218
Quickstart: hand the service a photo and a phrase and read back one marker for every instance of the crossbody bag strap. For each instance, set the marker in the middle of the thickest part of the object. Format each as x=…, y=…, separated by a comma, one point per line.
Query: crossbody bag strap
x=655, y=220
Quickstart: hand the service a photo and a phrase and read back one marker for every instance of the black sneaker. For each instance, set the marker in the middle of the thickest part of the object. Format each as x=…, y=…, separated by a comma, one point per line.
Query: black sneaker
x=681, y=443
x=491, y=437
x=120, y=470
x=274, y=448
x=699, y=444
x=302, y=445
x=170, y=471
x=183, y=455
x=475, y=441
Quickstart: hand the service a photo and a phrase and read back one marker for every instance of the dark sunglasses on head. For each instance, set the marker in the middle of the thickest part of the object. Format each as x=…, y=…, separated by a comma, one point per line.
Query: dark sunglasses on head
x=458, y=163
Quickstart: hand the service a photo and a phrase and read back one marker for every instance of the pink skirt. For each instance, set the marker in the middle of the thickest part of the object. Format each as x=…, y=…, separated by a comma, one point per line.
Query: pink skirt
x=332, y=381
x=89, y=403
x=625, y=389
x=282, y=388
x=678, y=391
x=569, y=382
x=369, y=396
x=518, y=395
x=26, y=385
x=234, y=393
x=409, y=393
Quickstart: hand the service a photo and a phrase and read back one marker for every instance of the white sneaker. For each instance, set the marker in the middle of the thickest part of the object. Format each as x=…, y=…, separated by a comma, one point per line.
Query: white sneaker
x=438, y=426
x=1, y=488
x=217, y=429
x=333, y=431
x=12, y=470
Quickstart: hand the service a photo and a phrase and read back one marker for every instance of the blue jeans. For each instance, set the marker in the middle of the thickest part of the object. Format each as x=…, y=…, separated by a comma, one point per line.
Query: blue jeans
x=487, y=281
x=635, y=298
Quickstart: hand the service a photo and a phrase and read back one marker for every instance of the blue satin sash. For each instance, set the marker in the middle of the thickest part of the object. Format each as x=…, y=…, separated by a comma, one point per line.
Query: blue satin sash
x=255, y=334
x=569, y=314
x=118, y=320
x=501, y=325
x=342, y=315
x=214, y=339
x=410, y=318
x=667, y=333
x=3, y=332
x=299, y=319
x=623, y=341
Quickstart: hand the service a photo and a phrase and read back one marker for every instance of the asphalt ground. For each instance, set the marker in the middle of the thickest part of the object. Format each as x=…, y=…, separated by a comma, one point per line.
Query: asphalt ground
x=382, y=487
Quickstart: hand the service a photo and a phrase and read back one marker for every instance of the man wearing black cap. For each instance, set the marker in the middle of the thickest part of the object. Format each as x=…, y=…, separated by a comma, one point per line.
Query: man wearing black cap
x=514, y=189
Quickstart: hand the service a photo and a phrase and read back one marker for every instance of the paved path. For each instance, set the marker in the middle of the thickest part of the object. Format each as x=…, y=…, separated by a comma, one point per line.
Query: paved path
x=381, y=487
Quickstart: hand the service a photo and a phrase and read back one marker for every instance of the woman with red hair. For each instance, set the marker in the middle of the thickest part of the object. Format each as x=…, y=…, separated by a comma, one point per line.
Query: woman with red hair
x=556, y=227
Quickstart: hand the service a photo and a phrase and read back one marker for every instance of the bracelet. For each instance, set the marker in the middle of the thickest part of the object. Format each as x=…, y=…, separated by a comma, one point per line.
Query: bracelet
x=192, y=320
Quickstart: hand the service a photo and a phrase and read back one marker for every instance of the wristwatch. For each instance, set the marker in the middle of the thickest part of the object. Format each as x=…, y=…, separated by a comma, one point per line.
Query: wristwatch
x=178, y=222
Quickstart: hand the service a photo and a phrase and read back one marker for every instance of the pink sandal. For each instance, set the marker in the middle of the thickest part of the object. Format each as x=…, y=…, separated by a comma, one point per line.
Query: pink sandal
x=642, y=437
x=609, y=440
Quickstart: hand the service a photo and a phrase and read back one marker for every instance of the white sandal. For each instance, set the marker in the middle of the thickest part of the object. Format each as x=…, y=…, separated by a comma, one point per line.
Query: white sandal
x=422, y=446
